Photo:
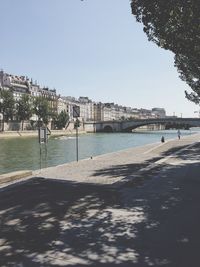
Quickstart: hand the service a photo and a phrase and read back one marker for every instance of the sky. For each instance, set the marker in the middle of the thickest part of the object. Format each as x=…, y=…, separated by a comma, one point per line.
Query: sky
x=91, y=48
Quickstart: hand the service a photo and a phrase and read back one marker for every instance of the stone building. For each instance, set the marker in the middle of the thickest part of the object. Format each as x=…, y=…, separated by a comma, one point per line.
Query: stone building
x=89, y=110
x=18, y=84
x=98, y=112
x=159, y=112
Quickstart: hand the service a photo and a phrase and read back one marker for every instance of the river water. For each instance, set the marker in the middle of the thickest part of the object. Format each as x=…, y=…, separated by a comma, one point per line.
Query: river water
x=24, y=153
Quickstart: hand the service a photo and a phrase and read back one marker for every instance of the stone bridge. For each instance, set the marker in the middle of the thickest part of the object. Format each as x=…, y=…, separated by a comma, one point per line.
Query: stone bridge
x=129, y=125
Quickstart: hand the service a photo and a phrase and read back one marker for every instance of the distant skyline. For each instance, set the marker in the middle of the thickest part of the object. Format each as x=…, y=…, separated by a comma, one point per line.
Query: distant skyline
x=91, y=48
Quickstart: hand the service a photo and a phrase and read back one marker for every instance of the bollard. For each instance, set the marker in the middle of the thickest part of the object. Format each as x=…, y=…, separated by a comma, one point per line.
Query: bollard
x=162, y=139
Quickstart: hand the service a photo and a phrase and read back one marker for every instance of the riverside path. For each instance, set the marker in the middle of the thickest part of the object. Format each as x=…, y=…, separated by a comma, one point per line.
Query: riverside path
x=137, y=207
x=117, y=166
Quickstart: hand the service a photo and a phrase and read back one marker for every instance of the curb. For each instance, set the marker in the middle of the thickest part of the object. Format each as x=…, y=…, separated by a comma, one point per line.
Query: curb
x=13, y=176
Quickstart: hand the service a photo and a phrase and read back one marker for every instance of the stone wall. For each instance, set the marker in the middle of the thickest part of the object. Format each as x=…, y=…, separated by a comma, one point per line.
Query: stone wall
x=16, y=126
x=28, y=126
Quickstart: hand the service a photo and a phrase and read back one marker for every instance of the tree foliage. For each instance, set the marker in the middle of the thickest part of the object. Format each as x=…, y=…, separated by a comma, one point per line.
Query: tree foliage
x=41, y=109
x=24, y=109
x=175, y=25
x=7, y=105
x=62, y=119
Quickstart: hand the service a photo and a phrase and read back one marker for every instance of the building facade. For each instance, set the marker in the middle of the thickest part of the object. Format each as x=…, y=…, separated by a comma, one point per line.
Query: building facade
x=89, y=110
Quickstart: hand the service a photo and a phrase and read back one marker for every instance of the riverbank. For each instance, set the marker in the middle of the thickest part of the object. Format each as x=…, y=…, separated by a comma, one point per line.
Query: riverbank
x=120, y=166
x=138, y=207
x=22, y=153
x=14, y=134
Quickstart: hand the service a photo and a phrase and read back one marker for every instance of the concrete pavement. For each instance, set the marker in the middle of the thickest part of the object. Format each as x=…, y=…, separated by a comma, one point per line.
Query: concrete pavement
x=144, y=212
x=109, y=168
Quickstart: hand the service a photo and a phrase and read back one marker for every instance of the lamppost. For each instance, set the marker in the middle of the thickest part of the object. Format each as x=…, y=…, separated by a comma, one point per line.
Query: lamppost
x=76, y=114
x=2, y=115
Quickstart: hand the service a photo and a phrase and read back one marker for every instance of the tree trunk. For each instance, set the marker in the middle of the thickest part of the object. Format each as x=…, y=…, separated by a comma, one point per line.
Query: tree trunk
x=3, y=122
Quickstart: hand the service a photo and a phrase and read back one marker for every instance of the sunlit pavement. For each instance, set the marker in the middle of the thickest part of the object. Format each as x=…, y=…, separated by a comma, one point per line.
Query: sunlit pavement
x=151, y=220
x=117, y=166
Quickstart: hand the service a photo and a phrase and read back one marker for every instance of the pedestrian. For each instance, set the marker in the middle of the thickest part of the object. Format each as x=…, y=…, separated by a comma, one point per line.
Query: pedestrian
x=162, y=139
x=179, y=134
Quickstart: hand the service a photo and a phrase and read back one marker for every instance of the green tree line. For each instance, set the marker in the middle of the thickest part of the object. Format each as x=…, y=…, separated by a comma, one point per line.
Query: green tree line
x=24, y=108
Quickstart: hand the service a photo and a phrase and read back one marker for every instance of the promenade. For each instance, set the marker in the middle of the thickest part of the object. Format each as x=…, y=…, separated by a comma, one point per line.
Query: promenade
x=137, y=207
x=121, y=166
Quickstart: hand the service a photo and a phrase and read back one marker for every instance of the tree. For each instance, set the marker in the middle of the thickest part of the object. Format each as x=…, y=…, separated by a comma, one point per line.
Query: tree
x=24, y=109
x=41, y=109
x=7, y=105
x=62, y=119
x=174, y=25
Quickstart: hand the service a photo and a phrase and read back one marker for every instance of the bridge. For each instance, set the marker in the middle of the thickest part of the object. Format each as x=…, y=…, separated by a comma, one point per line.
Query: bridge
x=129, y=125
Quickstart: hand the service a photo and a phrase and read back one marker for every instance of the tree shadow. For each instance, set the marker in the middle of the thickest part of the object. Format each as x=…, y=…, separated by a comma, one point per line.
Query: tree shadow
x=130, y=173
x=126, y=172
x=46, y=222
x=193, y=149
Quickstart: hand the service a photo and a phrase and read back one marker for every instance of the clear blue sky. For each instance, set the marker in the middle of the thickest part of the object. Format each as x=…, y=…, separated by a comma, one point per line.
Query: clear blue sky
x=90, y=48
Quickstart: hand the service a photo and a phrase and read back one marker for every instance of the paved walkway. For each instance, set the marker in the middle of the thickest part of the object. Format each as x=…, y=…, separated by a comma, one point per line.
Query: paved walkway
x=140, y=209
x=117, y=166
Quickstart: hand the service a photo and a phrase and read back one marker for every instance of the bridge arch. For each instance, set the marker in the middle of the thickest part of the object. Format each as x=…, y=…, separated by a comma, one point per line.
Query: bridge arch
x=129, y=125
x=134, y=126
x=176, y=123
x=108, y=129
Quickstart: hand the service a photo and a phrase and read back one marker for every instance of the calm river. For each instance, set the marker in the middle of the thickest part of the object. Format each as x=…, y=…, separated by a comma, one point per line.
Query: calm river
x=24, y=153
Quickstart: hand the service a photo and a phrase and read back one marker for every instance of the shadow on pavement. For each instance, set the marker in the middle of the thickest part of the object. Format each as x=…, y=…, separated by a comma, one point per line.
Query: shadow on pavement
x=48, y=222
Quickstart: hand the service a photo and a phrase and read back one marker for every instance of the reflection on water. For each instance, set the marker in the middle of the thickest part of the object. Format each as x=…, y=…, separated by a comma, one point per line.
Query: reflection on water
x=24, y=153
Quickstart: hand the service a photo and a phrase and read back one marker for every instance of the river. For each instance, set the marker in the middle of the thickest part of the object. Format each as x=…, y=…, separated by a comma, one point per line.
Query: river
x=24, y=153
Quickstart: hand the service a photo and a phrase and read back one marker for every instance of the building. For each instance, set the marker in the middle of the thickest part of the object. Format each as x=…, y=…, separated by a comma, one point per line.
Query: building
x=18, y=84
x=62, y=105
x=159, y=112
x=86, y=108
x=98, y=112
x=89, y=110
x=51, y=97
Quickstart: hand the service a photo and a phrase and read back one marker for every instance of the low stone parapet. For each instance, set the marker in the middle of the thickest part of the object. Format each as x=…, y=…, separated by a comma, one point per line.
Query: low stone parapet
x=13, y=176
